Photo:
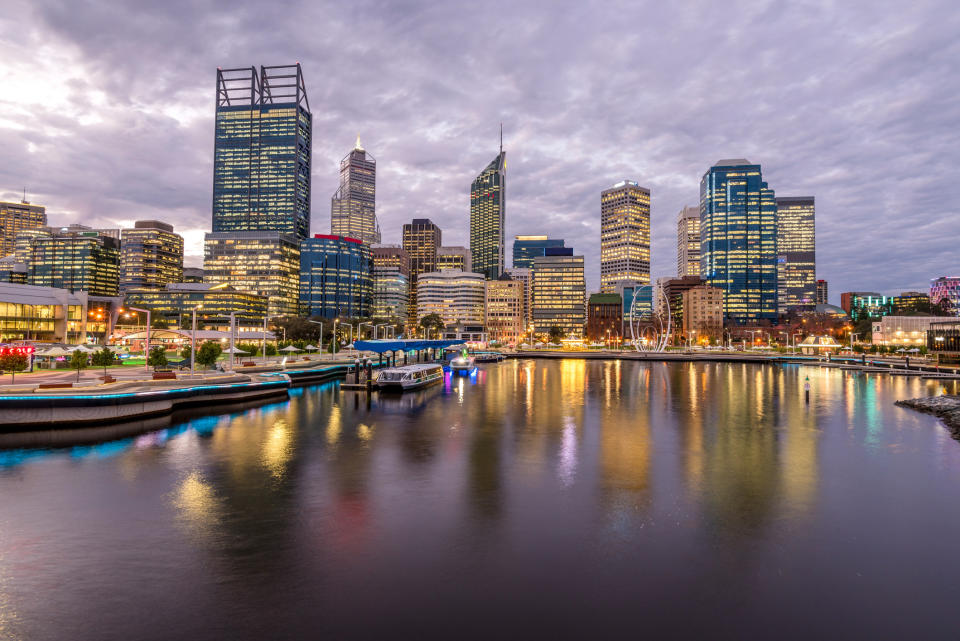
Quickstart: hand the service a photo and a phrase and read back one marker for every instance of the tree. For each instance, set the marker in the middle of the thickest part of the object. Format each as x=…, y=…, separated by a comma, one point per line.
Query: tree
x=431, y=321
x=78, y=361
x=159, y=323
x=157, y=357
x=13, y=363
x=208, y=353
x=556, y=334
x=185, y=351
x=103, y=358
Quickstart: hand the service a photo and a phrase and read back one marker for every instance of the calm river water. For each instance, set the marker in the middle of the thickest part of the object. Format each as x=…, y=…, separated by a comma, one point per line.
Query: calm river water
x=556, y=499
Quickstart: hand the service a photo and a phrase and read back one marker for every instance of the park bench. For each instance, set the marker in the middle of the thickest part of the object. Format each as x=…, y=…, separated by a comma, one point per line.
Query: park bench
x=164, y=376
x=53, y=385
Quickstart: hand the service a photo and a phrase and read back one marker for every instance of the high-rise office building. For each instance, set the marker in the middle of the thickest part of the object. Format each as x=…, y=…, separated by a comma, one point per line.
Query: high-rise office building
x=265, y=263
x=353, y=209
x=488, y=203
x=262, y=150
x=391, y=282
x=559, y=293
x=421, y=239
x=456, y=297
x=504, y=310
x=796, y=254
x=526, y=248
x=688, y=242
x=457, y=258
x=335, y=277
x=18, y=217
x=738, y=232
x=822, y=293
x=151, y=256
x=74, y=260
x=624, y=235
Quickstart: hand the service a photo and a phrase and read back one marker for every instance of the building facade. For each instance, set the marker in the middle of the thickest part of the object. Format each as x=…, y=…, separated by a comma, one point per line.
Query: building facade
x=456, y=297
x=151, y=256
x=193, y=274
x=905, y=331
x=796, y=254
x=335, y=277
x=488, y=202
x=945, y=291
x=526, y=248
x=18, y=217
x=264, y=263
x=605, y=319
x=48, y=314
x=624, y=235
x=911, y=302
x=702, y=319
x=823, y=293
x=176, y=302
x=353, y=208
x=525, y=276
x=421, y=240
x=738, y=240
x=457, y=258
x=688, y=242
x=504, y=310
x=559, y=294
x=262, y=151
x=870, y=305
x=73, y=260
x=391, y=282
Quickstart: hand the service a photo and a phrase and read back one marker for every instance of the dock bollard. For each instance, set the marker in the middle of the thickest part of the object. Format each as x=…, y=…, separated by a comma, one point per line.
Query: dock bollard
x=356, y=371
x=369, y=375
x=806, y=390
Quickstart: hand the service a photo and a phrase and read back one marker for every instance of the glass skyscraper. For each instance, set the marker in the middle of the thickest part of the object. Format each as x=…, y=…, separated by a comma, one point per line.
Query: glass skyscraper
x=624, y=235
x=738, y=240
x=688, y=242
x=353, y=209
x=488, y=202
x=86, y=261
x=391, y=282
x=261, y=153
x=559, y=293
x=151, y=256
x=265, y=263
x=526, y=248
x=421, y=240
x=796, y=254
x=335, y=277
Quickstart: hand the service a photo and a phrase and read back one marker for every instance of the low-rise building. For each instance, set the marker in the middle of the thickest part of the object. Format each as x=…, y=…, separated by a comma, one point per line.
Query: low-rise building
x=907, y=331
x=945, y=292
x=943, y=340
x=214, y=304
x=504, y=310
x=605, y=318
x=703, y=313
x=49, y=314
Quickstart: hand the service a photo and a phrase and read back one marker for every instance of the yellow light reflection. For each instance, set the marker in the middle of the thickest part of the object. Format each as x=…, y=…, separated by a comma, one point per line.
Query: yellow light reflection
x=277, y=449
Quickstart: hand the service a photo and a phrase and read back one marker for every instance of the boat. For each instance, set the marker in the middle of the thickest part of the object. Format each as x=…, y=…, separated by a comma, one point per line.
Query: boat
x=489, y=357
x=463, y=365
x=409, y=377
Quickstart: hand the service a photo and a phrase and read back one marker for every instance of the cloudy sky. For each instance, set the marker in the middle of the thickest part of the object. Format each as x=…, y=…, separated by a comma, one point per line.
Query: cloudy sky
x=106, y=113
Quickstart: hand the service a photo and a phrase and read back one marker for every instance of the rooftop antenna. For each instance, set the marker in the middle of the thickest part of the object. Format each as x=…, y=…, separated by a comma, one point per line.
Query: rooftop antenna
x=501, y=137
x=24, y=201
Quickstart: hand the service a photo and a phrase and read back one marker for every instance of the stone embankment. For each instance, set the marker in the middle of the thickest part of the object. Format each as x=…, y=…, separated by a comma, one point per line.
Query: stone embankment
x=946, y=407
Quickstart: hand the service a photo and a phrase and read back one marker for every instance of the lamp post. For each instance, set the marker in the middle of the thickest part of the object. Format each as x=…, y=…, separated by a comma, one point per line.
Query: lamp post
x=852, y=335
x=376, y=330
x=263, y=342
x=333, y=339
x=359, y=325
x=146, y=347
x=321, y=334
x=233, y=354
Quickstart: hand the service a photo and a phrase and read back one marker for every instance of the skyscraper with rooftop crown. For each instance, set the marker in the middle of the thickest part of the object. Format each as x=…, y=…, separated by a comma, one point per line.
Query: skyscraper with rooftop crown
x=353, y=208
x=488, y=202
x=738, y=240
x=624, y=235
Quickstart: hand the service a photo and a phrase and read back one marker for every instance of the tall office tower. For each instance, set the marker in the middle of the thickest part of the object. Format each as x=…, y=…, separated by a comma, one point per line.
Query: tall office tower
x=454, y=258
x=151, y=256
x=945, y=291
x=504, y=310
x=261, y=152
x=265, y=263
x=624, y=235
x=526, y=248
x=796, y=254
x=559, y=293
x=822, y=292
x=688, y=242
x=421, y=239
x=488, y=201
x=335, y=277
x=457, y=297
x=353, y=209
x=75, y=260
x=738, y=240
x=18, y=217
x=391, y=282
x=525, y=276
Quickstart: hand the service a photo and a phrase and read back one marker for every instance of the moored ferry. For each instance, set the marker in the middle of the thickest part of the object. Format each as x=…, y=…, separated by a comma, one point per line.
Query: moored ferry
x=408, y=377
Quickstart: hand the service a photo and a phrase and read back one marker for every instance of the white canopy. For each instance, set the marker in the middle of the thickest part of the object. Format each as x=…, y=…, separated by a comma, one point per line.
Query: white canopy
x=311, y=348
x=289, y=348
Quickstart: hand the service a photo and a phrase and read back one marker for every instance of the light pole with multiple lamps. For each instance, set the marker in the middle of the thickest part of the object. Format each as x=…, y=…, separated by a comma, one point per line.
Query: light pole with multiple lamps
x=146, y=347
x=193, y=343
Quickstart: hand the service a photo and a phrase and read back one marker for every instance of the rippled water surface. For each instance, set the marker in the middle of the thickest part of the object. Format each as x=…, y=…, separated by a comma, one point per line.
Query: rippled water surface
x=558, y=499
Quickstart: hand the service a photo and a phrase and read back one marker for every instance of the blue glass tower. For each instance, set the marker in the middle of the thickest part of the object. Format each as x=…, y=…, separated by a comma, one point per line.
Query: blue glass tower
x=335, y=277
x=738, y=240
x=261, y=153
x=526, y=248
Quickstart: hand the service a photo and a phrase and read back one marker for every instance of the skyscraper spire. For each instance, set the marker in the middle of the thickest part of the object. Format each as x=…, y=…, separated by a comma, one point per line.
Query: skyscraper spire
x=501, y=137
x=358, y=146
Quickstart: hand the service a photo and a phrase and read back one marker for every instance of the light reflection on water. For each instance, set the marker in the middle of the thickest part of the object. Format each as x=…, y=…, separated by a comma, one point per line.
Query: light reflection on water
x=585, y=493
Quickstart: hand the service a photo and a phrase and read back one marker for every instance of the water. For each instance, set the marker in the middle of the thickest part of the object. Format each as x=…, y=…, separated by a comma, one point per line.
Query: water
x=539, y=499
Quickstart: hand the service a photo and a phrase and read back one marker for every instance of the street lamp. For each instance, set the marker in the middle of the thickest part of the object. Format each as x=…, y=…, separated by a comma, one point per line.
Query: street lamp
x=146, y=347
x=376, y=330
x=851, y=340
x=333, y=339
x=321, y=334
x=359, y=325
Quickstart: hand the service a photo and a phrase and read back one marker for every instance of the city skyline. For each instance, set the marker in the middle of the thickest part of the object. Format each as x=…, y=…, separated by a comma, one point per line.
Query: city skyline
x=147, y=154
